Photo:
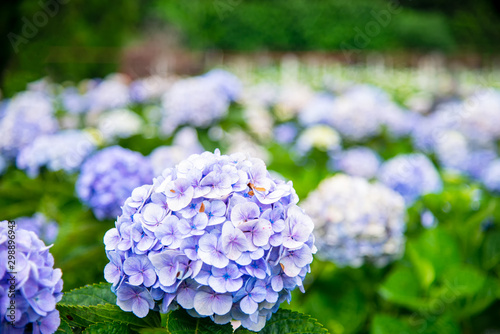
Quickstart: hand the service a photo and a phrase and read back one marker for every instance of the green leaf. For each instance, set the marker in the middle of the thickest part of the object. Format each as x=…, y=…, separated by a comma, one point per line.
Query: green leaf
x=464, y=280
x=401, y=287
x=84, y=316
x=439, y=248
x=347, y=303
x=286, y=321
x=489, y=292
x=423, y=267
x=64, y=328
x=89, y=295
x=180, y=322
x=385, y=324
x=108, y=328
x=491, y=249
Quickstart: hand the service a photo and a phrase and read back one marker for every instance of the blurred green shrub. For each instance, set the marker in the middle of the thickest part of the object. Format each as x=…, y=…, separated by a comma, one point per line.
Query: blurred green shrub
x=302, y=25
x=79, y=39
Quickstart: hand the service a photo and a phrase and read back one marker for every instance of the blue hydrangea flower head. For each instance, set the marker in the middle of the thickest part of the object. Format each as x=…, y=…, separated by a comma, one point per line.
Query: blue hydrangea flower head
x=226, y=82
x=427, y=219
x=184, y=144
x=285, y=133
x=65, y=150
x=38, y=285
x=318, y=110
x=74, y=102
x=26, y=116
x=491, y=176
x=110, y=93
x=411, y=175
x=194, y=101
x=357, y=161
x=3, y=164
x=107, y=178
x=45, y=229
x=356, y=221
x=217, y=236
x=356, y=113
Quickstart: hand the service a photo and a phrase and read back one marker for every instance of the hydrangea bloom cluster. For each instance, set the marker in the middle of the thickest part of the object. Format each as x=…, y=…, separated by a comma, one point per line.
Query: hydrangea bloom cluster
x=111, y=93
x=217, y=236
x=480, y=116
x=411, y=175
x=491, y=176
x=321, y=137
x=38, y=285
x=184, y=144
x=285, y=133
x=119, y=123
x=27, y=116
x=226, y=82
x=357, y=161
x=73, y=102
x=356, y=221
x=148, y=89
x=108, y=177
x=355, y=114
x=45, y=229
x=65, y=150
x=318, y=110
x=197, y=101
x=3, y=164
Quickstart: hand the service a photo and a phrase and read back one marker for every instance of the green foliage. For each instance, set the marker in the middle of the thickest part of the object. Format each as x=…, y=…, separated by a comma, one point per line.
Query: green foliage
x=305, y=25
x=179, y=322
x=83, y=39
x=286, y=321
x=92, y=305
x=93, y=309
x=384, y=324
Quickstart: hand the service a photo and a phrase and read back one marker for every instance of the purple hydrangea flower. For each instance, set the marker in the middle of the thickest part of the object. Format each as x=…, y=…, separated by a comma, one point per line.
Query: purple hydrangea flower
x=3, y=164
x=318, y=110
x=411, y=175
x=491, y=176
x=285, y=133
x=357, y=161
x=196, y=101
x=184, y=144
x=355, y=222
x=74, y=102
x=65, y=150
x=220, y=231
x=356, y=113
x=108, y=177
x=38, y=223
x=427, y=219
x=38, y=285
x=26, y=116
x=226, y=82
x=111, y=93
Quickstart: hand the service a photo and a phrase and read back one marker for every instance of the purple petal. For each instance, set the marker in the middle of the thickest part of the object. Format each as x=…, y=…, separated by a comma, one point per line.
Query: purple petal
x=247, y=305
x=217, y=283
x=208, y=242
x=244, y=212
x=185, y=298
x=136, y=279
x=277, y=283
x=233, y=285
x=222, y=304
x=140, y=307
x=50, y=323
x=203, y=302
x=259, y=293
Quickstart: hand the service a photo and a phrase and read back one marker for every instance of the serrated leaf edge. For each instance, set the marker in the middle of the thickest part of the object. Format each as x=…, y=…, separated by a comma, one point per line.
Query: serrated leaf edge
x=86, y=287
